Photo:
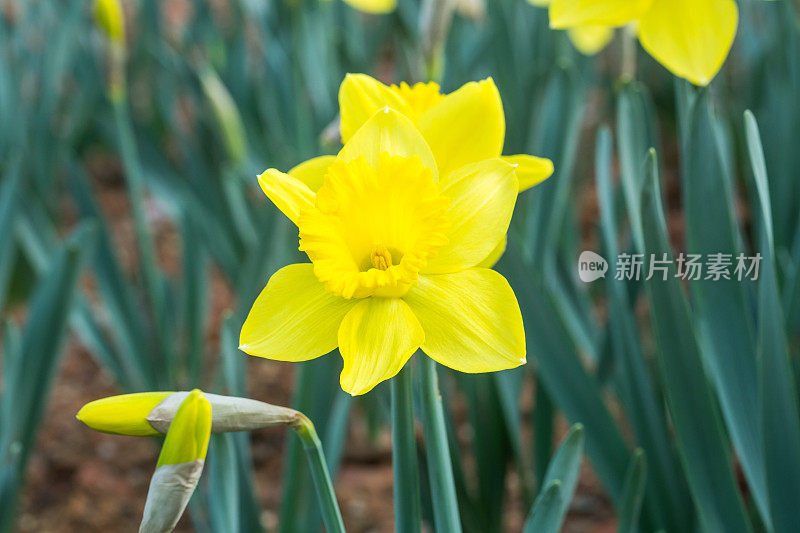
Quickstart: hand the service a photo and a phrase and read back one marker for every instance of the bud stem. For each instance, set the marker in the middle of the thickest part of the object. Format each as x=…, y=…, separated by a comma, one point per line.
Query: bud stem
x=435, y=18
x=331, y=515
x=628, y=72
x=407, y=514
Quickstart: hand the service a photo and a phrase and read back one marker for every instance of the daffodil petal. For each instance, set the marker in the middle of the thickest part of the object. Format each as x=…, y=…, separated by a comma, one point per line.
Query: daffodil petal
x=467, y=126
x=494, y=256
x=482, y=197
x=570, y=13
x=376, y=7
x=360, y=97
x=294, y=318
x=530, y=170
x=376, y=339
x=388, y=131
x=471, y=320
x=189, y=433
x=590, y=40
x=312, y=172
x=288, y=193
x=690, y=38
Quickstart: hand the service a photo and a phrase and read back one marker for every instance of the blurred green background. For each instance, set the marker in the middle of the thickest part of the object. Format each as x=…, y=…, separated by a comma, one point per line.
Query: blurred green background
x=134, y=238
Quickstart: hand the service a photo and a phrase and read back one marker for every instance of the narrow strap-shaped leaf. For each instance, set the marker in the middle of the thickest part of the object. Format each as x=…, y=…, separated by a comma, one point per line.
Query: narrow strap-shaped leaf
x=546, y=516
x=701, y=437
x=635, y=135
x=543, y=429
x=490, y=447
x=633, y=494
x=562, y=472
x=724, y=318
x=36, y=365
x=561, y=371
x=778, y=390
x=668, y=500
x=8, y=207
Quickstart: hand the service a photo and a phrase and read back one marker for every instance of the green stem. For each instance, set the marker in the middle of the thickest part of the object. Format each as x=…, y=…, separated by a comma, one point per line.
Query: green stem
x=407, y=514
x=629, y=42
x=435, y=18
x=331, y=515
x=443, y=488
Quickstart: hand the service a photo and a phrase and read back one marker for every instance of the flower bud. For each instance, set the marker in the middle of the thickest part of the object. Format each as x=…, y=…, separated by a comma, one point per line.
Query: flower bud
x=187, y=437
x=179, y=465
x=151, y=413
x=123, y=415
x=226, y=113
x=109, y=17
x=228, y=413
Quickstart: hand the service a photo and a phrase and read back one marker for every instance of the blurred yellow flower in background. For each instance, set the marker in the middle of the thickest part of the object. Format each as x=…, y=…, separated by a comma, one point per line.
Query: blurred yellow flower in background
x=396, y=227
x=109, y=16
x=691, y=38
x=373, y=6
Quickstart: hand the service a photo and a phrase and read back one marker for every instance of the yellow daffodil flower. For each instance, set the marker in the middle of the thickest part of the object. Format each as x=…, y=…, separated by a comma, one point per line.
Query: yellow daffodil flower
x=691, y=38
x=395, y=229
x=588, y=39
x=377, y=7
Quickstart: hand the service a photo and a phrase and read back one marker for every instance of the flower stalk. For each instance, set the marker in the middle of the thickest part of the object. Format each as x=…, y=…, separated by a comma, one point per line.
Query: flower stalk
x=628, y=71
x=331, y=516
x=443, y=489
x=434, y=23
x=407, y=514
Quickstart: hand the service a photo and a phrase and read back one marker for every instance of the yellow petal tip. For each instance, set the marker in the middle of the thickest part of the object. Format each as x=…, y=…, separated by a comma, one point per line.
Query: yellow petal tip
x=122, y=415
x=189, y=432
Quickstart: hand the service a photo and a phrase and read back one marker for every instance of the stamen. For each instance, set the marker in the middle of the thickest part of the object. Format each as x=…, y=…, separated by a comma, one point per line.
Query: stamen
x=380, y=257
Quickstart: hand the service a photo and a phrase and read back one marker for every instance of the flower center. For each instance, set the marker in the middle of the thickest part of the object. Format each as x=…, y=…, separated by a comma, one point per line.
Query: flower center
x=374, y=228
x=380, y=257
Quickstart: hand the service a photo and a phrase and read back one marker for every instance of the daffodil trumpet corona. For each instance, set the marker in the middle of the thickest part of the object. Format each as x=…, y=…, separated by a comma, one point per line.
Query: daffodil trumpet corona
x=691, y=38
x=400, y=228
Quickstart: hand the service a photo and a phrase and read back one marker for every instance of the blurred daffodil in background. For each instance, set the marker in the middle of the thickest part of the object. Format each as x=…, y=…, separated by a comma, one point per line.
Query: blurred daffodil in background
x=589, y=39
x=109, y=16
x=397, y=226
x=691, y=38
x=376, y=7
